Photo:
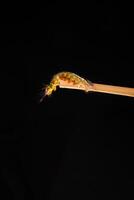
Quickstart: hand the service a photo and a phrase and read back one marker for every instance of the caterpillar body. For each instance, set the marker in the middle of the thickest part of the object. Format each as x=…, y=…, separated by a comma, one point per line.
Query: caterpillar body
x=65, y=78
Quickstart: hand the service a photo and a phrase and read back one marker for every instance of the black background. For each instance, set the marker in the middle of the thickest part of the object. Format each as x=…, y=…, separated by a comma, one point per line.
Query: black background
x=73, y=145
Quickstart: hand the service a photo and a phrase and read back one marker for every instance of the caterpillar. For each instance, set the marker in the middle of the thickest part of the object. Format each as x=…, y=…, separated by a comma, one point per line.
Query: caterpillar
x=69, y=79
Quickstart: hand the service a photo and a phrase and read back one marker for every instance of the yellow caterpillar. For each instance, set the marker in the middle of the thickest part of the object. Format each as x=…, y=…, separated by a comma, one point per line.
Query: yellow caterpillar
x=66, y=77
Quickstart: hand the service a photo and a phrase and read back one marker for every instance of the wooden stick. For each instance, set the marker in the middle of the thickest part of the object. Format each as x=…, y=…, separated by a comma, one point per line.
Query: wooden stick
x=118, y=90
x=110, y=89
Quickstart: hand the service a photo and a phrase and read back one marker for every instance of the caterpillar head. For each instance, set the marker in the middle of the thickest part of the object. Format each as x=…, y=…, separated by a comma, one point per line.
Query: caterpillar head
x=48, y=90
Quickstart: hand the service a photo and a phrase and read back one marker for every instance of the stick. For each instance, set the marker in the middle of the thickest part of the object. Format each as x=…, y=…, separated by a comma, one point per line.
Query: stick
x=110, y=89
x=118, y=90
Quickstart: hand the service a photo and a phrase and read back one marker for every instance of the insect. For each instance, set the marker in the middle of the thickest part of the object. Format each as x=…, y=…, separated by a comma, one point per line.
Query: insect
x=68, y=79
